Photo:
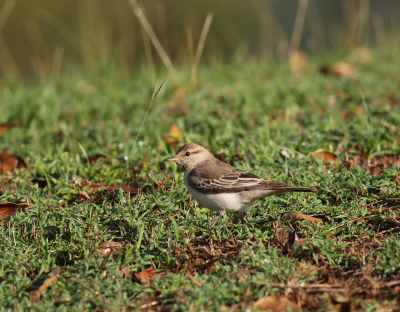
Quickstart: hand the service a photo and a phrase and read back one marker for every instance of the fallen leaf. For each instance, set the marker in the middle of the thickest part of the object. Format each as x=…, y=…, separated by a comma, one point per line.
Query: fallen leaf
x=173, y=136
x=106, y=247
x=10, y=161
x=298, y=215
x=325, y=155
x=340, y=69
x=9, y=209
x=9, y=125
x=275, y=303
x=94, y=186
x=149, y=273
x=92, y=159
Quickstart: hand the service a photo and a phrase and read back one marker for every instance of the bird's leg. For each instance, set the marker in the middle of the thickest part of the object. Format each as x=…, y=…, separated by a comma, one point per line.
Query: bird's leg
x=220, y=214
x=241, y=216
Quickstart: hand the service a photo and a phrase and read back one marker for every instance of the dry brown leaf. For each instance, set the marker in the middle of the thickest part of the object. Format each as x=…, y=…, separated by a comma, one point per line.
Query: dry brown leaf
x=9, y=125
x=340, y=69
x=9, y=209
x=173, y=135
x=10, y=161
x=92, y=159
x=298, y=215
x=149, y=273
x=275, y=303
x=106, y=247
x=325, y=155
x=94, y=186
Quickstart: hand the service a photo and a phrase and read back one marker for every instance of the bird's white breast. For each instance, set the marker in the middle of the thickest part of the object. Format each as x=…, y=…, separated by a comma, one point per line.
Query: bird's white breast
x=222, y=201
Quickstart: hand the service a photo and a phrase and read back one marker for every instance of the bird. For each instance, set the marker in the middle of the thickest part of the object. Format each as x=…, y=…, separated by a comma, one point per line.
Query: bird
x=220, y=187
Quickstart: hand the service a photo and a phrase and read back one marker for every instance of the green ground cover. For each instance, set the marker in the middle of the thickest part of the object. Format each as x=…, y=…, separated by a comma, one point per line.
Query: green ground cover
x=246, y=112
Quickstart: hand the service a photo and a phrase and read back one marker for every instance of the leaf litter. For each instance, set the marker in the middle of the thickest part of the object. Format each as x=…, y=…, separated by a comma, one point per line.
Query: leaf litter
x=375, y=164
x=9, y=209
x=9, y=162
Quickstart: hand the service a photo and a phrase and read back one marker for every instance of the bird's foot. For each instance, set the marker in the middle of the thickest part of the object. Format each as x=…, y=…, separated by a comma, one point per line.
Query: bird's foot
x=220, y=214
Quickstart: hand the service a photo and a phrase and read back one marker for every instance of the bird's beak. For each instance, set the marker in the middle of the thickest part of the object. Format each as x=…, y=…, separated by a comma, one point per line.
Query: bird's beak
x=173, y=158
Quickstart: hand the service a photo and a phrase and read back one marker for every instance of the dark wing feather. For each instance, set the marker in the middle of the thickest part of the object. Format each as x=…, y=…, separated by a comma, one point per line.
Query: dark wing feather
x=231, y=182
x=215, y=177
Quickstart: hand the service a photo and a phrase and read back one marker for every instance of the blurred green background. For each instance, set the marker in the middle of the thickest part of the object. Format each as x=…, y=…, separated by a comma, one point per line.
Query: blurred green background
x=41, y=38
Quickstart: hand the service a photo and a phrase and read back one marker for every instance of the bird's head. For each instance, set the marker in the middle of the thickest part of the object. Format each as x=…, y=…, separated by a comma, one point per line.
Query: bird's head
x=190, y=155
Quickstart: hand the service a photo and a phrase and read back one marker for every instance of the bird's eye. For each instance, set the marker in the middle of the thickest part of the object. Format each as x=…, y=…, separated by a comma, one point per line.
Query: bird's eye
x=187, y=154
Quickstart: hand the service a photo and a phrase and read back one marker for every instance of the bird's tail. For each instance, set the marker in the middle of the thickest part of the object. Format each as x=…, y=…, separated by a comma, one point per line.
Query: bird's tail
x=297, y=189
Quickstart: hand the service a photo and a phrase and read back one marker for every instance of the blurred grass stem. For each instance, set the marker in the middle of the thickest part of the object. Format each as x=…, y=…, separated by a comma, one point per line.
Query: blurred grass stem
x=154, y=40
x=155, y=92
x=7, y=60
x=298, y=26
x=200, y=48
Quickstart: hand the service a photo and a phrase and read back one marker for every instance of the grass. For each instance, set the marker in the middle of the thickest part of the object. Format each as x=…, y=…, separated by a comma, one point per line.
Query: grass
x=242, y=111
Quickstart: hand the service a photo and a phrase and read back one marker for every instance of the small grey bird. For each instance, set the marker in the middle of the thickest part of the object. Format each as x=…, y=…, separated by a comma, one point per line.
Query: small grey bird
x=220, y=187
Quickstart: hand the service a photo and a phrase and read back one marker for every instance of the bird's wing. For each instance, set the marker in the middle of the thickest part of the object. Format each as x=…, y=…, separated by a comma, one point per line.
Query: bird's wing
x=228, y=180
